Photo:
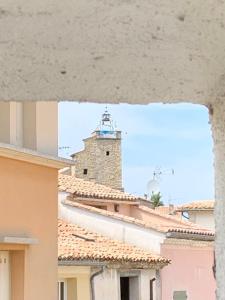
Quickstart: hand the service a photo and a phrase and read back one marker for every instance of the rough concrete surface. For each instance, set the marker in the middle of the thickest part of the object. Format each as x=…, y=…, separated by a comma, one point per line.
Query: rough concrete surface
x=135, y=51
x=218, y=130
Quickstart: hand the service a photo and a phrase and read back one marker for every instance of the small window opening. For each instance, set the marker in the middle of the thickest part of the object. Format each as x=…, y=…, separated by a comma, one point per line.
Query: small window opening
x=179, y=295
x=85, y=171
x=116, y=207
x=107, y=153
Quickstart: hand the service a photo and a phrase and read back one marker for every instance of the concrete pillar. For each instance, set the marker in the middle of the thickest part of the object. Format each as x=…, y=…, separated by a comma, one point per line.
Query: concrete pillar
x=33, y=125
x=217, y=118
x=107, y=285
x=40, y=126
x=4, y=275
x=145, y=277
x=16, y=123
x=71, y=289
x=11, y=123
x=83, y=287
x=5, y=122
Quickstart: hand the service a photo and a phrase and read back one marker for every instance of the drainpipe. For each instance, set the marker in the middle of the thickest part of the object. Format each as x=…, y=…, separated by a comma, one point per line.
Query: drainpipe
x=158, y=285
x=92, y=281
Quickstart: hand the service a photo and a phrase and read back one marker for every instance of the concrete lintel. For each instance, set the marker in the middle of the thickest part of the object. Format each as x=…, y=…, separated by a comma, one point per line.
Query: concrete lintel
x=34, y=157
x=18, y=240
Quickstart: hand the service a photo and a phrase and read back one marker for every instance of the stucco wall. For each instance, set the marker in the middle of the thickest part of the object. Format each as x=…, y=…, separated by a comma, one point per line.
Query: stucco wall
x=28, y=201
x=77, y=280
x=140, y=214
x=190, y=270
x=107, y=285
x=203, y=218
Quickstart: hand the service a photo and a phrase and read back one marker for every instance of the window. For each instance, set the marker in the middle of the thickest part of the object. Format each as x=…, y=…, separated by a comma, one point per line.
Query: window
x=116, y=207
x=129, y=288
x=179, y=295
x=107, y=153
x=85, y=171
x=62, y=290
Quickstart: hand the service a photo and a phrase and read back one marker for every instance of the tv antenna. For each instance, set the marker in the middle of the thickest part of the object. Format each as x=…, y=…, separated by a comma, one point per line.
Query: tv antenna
x=64, y=149
x=153, y=186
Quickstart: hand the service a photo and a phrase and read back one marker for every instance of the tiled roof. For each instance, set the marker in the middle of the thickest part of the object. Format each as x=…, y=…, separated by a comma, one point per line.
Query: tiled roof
x=79, y=244
x=82, y=188
x=197, y=205
x=159, y=223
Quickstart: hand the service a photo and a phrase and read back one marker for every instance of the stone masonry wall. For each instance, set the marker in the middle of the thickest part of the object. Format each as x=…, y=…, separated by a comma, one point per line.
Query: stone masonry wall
x=101, y=168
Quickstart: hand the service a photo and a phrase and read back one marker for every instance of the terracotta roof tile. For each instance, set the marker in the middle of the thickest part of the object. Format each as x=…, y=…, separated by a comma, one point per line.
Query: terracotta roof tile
x=76, y=243
x=197, y=205
x=163, y=224
x=82, y=188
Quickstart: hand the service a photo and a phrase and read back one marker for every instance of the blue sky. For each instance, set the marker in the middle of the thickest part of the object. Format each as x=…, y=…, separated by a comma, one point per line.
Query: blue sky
x=157, y=135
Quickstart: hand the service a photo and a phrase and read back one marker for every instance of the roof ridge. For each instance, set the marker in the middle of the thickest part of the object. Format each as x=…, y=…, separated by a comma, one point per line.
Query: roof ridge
x=70, y=184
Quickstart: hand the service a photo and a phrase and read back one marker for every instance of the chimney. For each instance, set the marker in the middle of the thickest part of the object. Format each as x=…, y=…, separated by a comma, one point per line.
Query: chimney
x=171, y=209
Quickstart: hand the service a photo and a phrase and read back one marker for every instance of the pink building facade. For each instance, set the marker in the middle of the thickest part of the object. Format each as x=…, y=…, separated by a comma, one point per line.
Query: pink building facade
x=190, y=270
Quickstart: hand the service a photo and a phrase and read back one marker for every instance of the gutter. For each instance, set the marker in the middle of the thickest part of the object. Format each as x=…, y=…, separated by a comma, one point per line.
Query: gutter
x=80, y=263
x=92, y=281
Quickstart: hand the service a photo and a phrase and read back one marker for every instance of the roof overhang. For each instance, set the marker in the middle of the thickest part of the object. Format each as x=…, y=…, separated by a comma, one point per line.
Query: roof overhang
x=33, y=157
x=190, y=236
x=114, y=264
x=105, y=201
x=193, y=209
x=80, y=263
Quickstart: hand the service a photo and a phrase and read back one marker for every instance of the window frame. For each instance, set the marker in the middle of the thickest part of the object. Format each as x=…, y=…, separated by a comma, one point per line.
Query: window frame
x=60, y=281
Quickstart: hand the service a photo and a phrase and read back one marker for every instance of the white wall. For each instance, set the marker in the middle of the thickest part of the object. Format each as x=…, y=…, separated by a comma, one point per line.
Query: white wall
x=107, y=285
x=129, y=233
x=203, y=218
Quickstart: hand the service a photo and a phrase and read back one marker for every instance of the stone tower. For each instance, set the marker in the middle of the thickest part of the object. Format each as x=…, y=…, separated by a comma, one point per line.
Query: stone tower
x=100, y=161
